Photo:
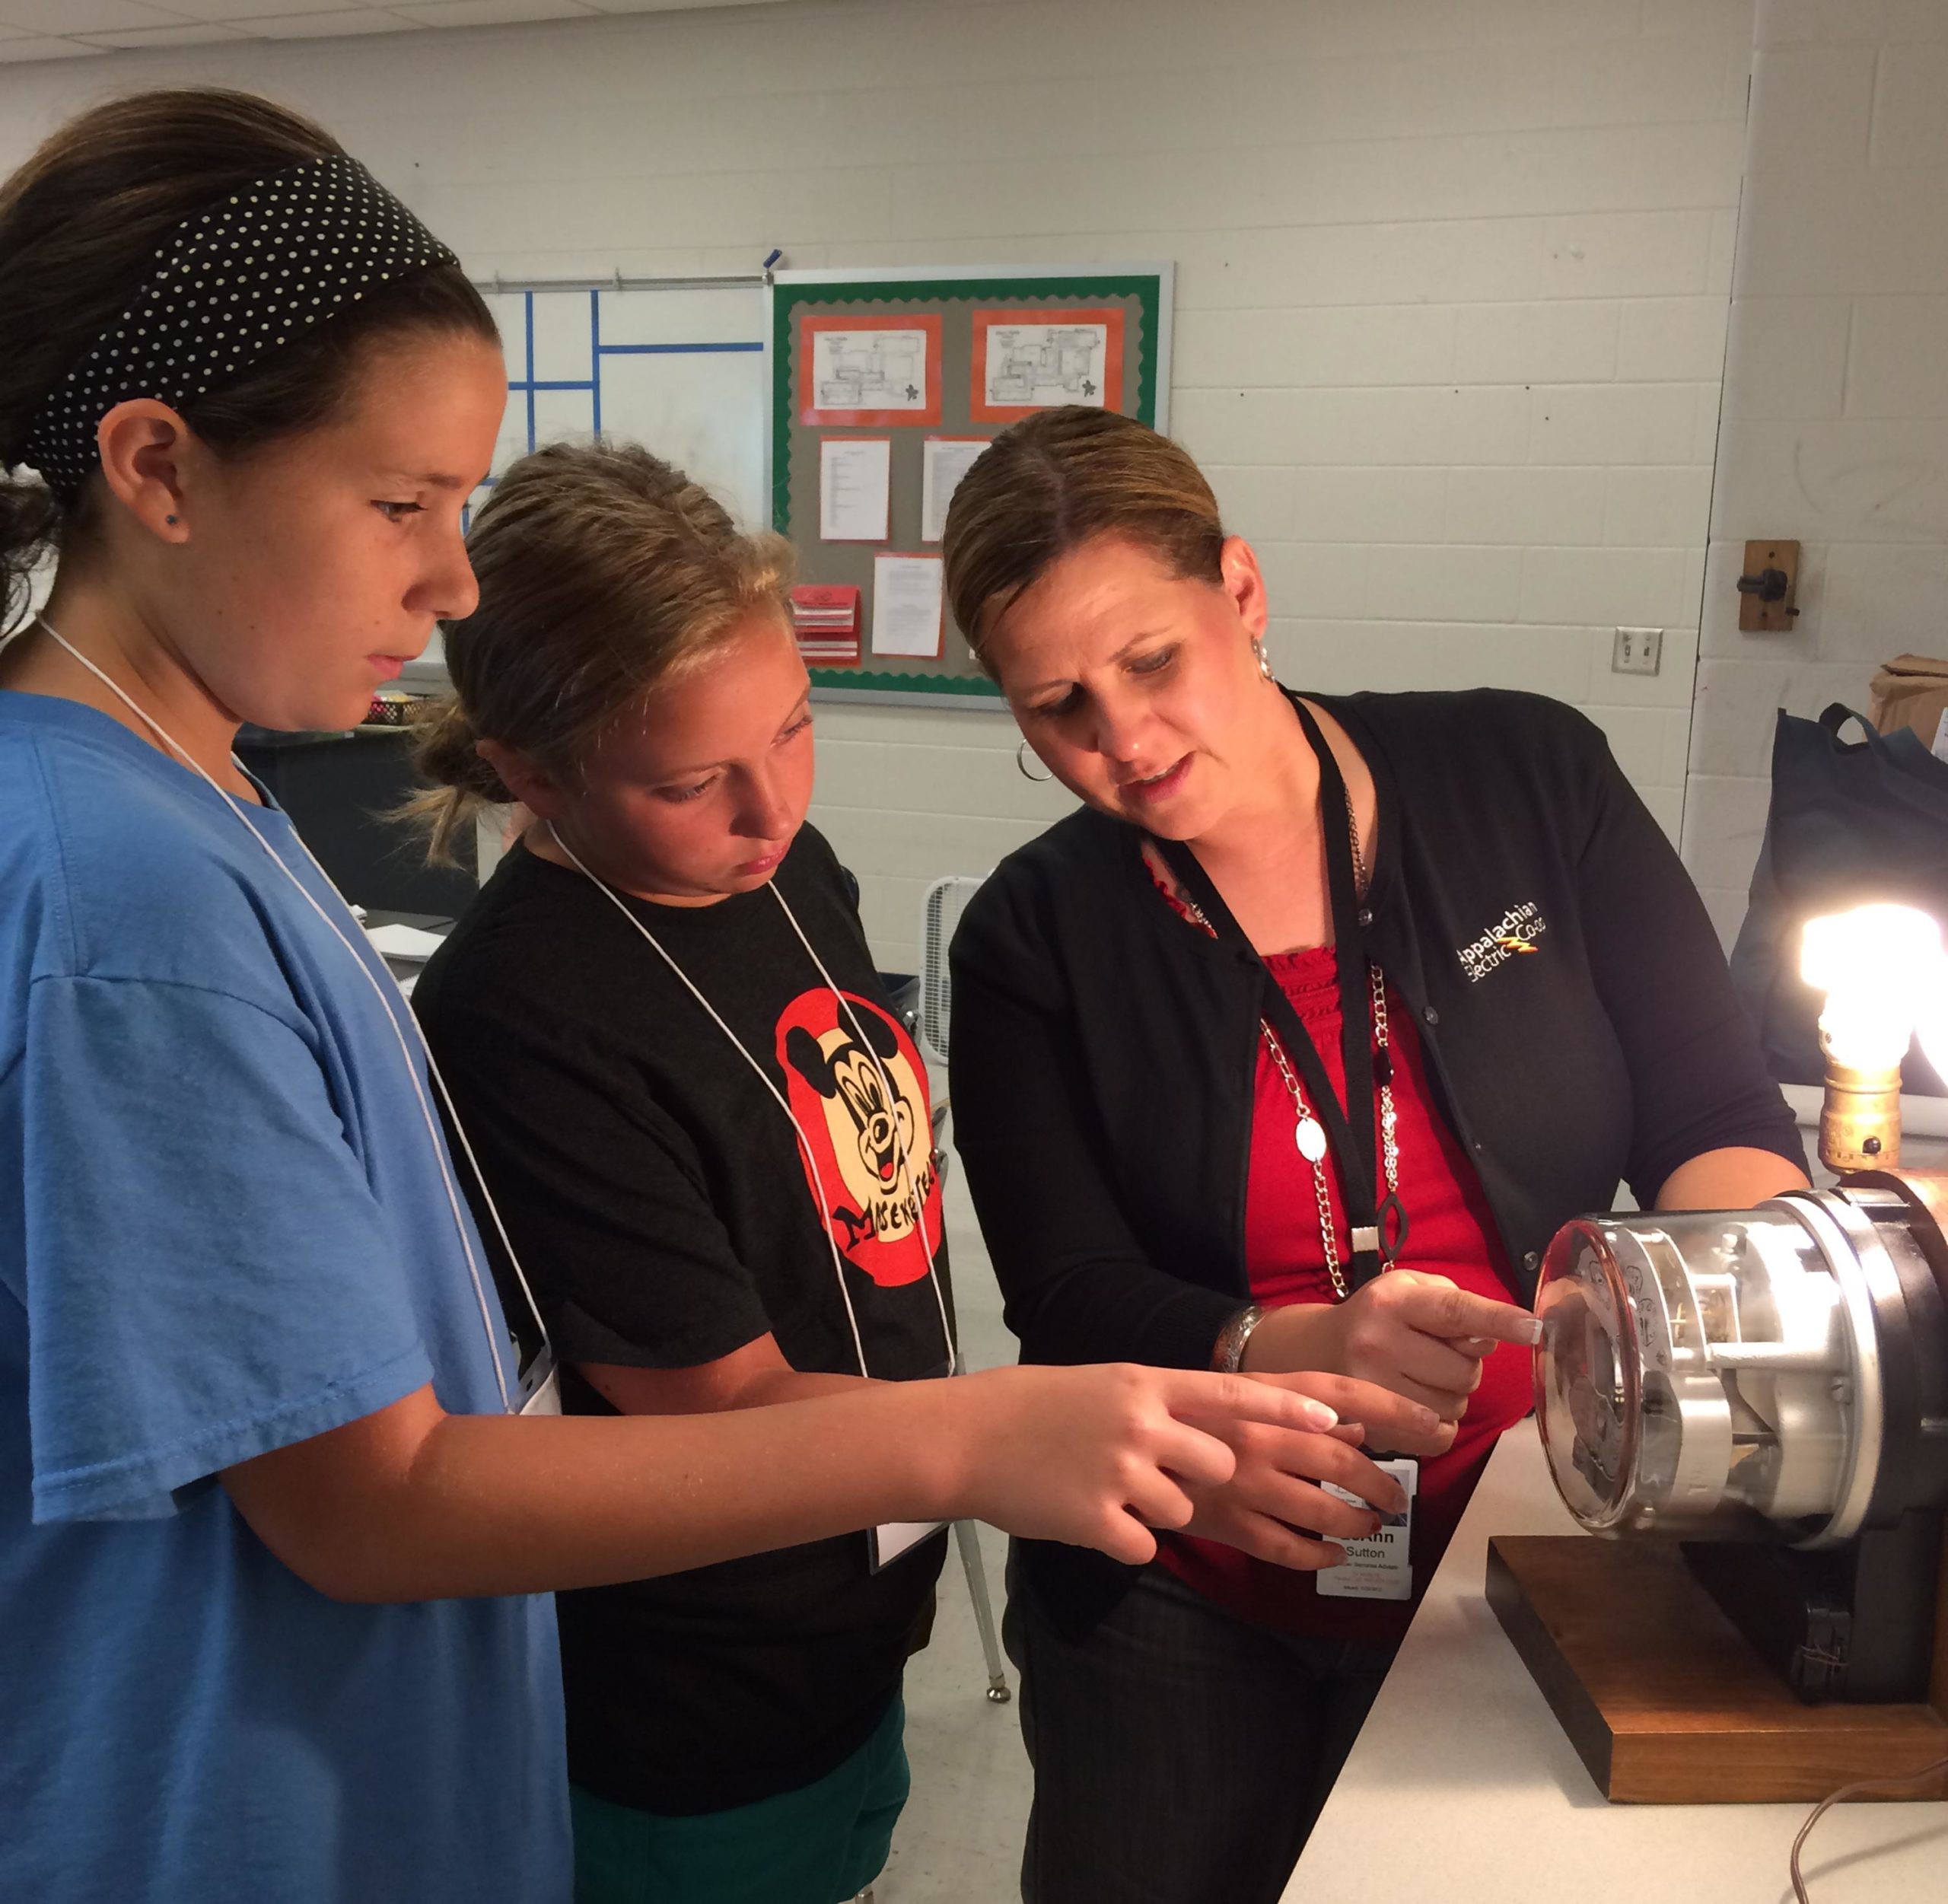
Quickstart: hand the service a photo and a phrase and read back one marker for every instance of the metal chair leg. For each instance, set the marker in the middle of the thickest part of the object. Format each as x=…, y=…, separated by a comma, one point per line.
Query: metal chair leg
x=967, y=1534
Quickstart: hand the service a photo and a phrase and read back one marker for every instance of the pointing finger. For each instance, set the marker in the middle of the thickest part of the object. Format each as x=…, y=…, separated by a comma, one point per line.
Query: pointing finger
x=1458, y=1313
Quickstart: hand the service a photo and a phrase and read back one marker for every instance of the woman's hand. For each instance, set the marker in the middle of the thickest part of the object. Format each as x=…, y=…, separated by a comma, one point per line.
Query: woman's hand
x=1097, y=1457
x=1275, y=1492
x=1416, y=1334
x=1371, y=1416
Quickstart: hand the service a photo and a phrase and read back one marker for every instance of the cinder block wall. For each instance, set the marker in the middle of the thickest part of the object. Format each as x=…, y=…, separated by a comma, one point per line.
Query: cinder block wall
x=1836, y=398
x=1453, y=280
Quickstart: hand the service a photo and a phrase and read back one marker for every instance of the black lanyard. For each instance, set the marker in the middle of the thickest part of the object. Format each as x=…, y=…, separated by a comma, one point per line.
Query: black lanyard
x=1372, y=1211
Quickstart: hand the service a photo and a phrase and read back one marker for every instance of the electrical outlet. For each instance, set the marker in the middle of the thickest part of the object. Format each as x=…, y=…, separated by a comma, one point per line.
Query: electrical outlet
x=1638, y=650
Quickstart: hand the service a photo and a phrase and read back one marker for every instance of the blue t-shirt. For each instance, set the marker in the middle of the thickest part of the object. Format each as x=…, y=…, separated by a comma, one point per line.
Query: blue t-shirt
x=223, y=1229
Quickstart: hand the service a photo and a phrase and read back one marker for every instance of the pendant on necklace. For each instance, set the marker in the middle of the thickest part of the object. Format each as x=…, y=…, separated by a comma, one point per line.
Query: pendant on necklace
x=1312, y=1138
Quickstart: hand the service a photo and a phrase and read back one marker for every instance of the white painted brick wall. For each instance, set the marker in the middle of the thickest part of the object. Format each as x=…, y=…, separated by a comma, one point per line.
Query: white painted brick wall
x=1452, y=287
x=1835, y=431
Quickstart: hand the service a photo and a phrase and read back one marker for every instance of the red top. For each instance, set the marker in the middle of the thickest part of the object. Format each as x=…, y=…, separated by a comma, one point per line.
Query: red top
x=1451, y=1233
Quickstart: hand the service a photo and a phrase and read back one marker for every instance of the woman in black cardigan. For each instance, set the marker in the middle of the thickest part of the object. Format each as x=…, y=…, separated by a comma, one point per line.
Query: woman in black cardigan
x=1311, y=989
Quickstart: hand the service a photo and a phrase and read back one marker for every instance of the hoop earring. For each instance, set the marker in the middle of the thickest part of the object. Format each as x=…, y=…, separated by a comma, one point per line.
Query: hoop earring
x=1264, y=661
x=1021, y=765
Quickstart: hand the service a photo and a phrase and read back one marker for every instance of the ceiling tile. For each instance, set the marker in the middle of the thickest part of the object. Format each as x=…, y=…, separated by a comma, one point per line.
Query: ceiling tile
x=66, y=29
x=178, y=36
x=331, y=26
x=254, y=12
x=65, y=18
x=491, y=13
x=671, y=6
x=41, y=47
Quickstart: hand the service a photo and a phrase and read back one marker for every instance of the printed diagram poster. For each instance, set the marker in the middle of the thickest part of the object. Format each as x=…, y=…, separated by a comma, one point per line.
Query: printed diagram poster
x=1025, y=360
x=869, y=372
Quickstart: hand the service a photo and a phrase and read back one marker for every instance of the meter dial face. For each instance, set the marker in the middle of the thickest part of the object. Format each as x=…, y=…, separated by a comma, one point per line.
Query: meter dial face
x=1587, y=1381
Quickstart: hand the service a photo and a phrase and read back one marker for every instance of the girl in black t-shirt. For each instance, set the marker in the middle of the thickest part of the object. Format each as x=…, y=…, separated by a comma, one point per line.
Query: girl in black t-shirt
x=709, y=1138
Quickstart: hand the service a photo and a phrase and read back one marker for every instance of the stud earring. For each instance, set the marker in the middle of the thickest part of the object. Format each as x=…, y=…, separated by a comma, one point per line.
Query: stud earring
x=171, y=521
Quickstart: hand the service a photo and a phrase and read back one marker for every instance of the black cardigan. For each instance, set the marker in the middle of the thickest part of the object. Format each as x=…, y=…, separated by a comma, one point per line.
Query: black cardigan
x=1103, y=1056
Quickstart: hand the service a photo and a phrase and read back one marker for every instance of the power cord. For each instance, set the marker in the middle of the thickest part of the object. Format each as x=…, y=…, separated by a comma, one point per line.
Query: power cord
x=1854, y=1790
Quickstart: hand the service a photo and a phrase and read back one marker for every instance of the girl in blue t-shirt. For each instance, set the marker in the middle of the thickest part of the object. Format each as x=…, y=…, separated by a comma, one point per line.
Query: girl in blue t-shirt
x=275, y=1491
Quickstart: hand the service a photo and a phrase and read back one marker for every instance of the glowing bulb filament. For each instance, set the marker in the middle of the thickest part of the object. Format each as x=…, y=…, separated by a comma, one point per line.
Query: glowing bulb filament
x=1881, y=967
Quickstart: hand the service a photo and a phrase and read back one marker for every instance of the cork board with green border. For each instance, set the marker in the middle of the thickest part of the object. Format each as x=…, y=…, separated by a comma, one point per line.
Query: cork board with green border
x=952, y=355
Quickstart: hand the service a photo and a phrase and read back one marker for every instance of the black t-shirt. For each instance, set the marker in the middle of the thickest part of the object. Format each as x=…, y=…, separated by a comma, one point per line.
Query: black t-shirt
x=666, y=1216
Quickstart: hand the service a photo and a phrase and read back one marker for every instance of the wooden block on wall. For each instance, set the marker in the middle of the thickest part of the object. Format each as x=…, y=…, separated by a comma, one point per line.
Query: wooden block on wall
x=1755, y=614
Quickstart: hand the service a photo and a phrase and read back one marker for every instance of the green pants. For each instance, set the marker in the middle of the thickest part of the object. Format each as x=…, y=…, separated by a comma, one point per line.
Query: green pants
x=822, y=1844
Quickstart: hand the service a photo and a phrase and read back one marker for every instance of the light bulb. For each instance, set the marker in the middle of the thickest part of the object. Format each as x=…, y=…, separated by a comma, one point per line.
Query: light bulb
x=1881, y=967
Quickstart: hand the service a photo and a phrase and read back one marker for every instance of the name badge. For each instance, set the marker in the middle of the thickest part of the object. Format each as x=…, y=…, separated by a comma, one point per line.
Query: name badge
x=1378, y=1568
x=541, y=1385
x=886, y=1542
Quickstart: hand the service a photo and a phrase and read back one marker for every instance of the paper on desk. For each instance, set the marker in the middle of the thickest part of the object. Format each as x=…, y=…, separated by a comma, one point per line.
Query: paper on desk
x=855, y=488
x=396, y=941
x=906, y=605
x=945, y=460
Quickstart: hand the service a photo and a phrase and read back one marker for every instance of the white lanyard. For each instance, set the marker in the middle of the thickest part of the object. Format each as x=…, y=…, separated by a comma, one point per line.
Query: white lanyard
x=385, y=993
x=844, y=1005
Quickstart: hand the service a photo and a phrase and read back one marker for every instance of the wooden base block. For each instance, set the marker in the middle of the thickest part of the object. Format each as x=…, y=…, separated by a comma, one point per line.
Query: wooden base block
x=1664, y=1698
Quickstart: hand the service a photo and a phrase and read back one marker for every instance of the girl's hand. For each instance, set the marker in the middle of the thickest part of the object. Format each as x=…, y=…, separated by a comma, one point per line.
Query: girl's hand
x=1416, y=1334
x=1274, y=1493
x=1097, y=1457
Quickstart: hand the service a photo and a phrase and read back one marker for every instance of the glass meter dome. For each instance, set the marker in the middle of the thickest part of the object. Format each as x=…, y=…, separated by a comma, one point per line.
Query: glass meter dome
x=1778, y=1370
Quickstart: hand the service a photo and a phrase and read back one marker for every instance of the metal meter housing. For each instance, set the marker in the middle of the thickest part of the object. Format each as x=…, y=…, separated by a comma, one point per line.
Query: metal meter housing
x=1780, y=1373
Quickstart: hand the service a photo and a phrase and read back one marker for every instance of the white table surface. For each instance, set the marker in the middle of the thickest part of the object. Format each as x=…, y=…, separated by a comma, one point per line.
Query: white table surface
x=1463, y=1785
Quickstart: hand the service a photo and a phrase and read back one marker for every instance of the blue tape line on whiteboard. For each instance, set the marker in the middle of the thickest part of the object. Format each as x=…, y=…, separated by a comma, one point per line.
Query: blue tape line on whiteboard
x=670, y=350
x=595, y=362
x=526, y=384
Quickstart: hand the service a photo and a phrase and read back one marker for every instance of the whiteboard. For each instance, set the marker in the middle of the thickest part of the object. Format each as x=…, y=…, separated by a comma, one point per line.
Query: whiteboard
x=680, y=370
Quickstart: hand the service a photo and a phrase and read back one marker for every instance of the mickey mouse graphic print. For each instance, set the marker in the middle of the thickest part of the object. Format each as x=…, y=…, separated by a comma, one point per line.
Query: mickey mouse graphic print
x=662, y=1205
x=854, y=1080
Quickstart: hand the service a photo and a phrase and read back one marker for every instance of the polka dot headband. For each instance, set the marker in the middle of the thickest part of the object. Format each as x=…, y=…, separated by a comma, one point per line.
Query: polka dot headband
x=230, y=285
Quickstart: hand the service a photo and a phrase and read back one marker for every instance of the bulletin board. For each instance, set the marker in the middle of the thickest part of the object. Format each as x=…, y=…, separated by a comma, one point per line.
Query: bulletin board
x=880, y=388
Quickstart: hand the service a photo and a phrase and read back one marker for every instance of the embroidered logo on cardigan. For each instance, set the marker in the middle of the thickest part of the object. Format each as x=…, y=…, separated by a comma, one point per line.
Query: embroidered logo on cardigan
x=1513, y=933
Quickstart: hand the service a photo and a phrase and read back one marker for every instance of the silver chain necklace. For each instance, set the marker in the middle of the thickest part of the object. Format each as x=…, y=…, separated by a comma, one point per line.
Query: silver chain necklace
x=1310, y=1134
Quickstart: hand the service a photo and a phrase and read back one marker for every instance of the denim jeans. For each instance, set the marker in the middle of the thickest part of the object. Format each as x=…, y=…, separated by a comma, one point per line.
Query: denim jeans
x=1181, y=1755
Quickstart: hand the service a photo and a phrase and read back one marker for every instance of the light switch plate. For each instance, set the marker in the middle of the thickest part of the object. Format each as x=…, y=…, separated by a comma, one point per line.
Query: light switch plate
x=1638, y=650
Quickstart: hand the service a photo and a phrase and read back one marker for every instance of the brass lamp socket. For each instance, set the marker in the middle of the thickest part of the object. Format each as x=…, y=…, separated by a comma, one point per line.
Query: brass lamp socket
x=1859, y=1122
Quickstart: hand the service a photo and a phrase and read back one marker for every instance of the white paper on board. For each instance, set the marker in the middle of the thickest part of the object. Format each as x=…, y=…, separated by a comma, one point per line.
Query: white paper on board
x=945, y=460
x=907, y=593
x=855, y=488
